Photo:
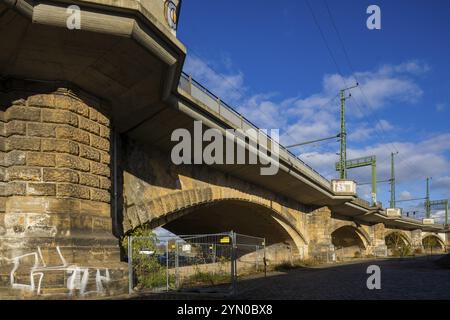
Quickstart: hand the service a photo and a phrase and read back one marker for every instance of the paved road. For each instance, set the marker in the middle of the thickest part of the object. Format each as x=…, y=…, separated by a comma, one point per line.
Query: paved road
x=408, y=278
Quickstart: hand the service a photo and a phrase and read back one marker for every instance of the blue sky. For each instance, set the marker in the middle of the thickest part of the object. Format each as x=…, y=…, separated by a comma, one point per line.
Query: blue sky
x=269, y=60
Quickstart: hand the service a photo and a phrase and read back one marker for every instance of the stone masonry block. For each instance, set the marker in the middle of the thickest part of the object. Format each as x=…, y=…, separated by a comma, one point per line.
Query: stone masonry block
x=71, y=162
x=72, y=190
x=95, y=208
x=67, y=102
x=89, y=125
x=27, y=144
x=15, y=127
x=42, y=100
x=15, y=188
x=41, y=130
x=99, y=143
x=100, y=195
x=90, y=180
x=23, y=113
x=60, y=175
x=41, y=189
x=105, y=132
x=105, y=157
x=102, y=119
x=72, y=133
x=105, y=183
x=15, y=158
x=60, y=116
x=89, y=153
x=40, y=159
x=58, y=145
x=23, y=174
x=93, y=114
x=100, y=169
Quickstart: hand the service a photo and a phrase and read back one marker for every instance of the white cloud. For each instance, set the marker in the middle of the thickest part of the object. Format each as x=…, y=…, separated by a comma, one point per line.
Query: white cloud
x=384, y=125
x=377, y=88
x=365, y=131
x=405, y=195
x=317, y=115
x=442, y=182
x=361, y=133
x=306, y=117
x=412, y=67
x=323, y=162
x=229, y=87
x=438, y=216
x=260, y=107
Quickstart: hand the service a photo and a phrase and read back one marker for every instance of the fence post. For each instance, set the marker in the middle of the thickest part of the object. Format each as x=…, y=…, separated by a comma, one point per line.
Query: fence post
x=130, y=265
x=167, y=265
x=264, y=258
x=256, y=258
x=233, y=262
x=177, y=264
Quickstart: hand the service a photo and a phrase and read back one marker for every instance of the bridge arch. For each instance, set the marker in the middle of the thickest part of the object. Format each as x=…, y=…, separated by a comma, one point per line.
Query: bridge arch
x=350, y=241
x=433, y=242
x=397, y=242
x=210, y=209
x=401, y=235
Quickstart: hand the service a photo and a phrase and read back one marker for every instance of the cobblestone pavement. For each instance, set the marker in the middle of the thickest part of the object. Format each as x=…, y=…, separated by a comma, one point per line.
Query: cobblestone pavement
x=408, y=278
x=401, y=278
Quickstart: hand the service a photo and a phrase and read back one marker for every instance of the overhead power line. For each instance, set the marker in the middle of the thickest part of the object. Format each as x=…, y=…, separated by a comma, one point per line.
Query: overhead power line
x=242, y=94
x=366, y=100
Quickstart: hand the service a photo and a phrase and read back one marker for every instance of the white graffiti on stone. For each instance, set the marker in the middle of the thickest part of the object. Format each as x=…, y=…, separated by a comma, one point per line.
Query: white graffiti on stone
x=78, y=277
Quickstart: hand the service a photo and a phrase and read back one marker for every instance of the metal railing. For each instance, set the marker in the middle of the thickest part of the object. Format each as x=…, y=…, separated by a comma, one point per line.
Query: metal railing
x=362, y=202
x=354, y=163
x=238, y=121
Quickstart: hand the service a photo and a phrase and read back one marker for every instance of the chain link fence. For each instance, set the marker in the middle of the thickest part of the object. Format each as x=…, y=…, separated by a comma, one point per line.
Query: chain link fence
x=250, y=255
x=323, y=254
x=209, y=263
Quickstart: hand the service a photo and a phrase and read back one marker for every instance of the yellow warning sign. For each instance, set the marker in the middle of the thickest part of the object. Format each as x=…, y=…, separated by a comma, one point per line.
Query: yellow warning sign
x=225, y=239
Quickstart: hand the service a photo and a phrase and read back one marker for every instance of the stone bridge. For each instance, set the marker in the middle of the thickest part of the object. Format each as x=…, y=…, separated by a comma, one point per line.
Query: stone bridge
x=86, y=118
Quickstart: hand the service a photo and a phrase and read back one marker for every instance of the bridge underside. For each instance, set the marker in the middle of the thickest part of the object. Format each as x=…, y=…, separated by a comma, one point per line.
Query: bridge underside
x=241, y=217
x=433, y=243
x=348, y=243
x=244, y=218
